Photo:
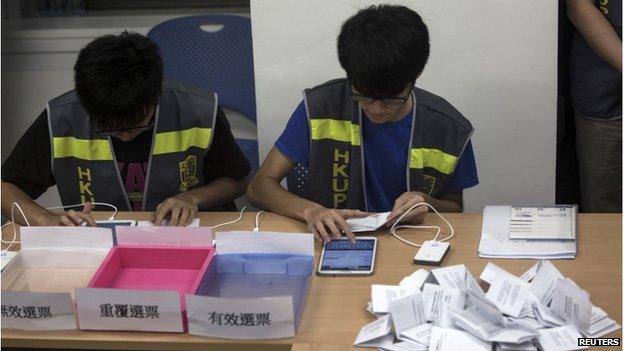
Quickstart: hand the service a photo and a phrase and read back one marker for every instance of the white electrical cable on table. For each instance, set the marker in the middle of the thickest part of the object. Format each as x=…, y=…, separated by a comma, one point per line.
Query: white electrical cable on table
x=395, y=226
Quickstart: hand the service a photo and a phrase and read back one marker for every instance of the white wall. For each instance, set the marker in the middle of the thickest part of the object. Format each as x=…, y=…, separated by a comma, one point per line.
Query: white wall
x=494, y=60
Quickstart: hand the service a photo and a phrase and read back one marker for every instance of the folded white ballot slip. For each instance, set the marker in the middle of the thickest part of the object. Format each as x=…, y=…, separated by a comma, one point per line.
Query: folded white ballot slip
x=368, y=224
x=376, y=334
x=445, y=339
x=560, y=339
x=446, y=309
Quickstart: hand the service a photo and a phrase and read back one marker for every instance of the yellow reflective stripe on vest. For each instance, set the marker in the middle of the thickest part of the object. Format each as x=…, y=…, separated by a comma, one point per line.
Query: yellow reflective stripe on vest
x=432, y=158
x=333, y=129
x=85, y=149
x=179, y=141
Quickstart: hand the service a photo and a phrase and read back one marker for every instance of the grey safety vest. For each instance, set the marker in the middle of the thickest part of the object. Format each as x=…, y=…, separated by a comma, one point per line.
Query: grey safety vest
x=84, y=164
x=336, y=176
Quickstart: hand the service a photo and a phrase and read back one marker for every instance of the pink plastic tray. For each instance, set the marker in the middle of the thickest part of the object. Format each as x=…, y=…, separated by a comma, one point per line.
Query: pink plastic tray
x=154, y=268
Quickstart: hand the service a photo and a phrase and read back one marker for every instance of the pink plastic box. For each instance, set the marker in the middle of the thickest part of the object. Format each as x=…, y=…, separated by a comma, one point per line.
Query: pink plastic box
x=142, y=287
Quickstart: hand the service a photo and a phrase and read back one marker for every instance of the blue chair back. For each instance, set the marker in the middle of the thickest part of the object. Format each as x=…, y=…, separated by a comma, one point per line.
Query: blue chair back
x=213, y=52
x=220, y=61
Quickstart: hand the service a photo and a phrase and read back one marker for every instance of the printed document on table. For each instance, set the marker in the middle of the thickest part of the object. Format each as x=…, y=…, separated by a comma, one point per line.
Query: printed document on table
x=543, y=223
x=495, y=241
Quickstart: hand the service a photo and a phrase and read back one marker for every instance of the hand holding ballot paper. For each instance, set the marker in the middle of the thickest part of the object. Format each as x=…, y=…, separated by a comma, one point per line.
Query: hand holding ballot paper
x=446, y=310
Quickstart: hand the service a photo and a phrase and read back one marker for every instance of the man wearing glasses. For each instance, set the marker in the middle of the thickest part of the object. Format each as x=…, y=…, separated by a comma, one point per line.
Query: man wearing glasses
x=127, y=138
x=372, y=142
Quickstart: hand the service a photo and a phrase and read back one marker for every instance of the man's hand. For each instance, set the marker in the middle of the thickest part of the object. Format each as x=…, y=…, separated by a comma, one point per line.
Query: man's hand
x=403, y=203
x=327, y=224
x=181, y=209
x=70, y=218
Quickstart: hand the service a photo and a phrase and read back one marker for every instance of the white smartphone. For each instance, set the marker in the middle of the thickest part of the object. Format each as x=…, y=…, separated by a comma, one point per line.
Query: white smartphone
x=340, y=256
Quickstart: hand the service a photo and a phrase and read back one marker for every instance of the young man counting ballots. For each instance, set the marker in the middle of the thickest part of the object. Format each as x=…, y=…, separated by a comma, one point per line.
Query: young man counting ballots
x=127, y=138
x=372, y=142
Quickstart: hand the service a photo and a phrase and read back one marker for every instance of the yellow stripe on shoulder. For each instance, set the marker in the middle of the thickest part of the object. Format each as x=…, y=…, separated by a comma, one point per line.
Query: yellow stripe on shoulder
x=180, y=141
x=432, y=158
x=85, y=149
x=333, y=129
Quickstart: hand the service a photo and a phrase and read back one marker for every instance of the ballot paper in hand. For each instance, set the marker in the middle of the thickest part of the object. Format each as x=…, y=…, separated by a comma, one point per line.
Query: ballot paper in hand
x=368, y=224
x=375, y=334
x=560, y=339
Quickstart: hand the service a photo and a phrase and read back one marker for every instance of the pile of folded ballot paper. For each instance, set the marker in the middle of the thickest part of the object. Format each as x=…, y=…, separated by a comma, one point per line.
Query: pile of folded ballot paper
x=446, y=309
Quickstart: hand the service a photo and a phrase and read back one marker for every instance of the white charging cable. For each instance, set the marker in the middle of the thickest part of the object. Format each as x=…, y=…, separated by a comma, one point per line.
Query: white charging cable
x=14, y=240
x=231, y=222
x=395, y=226
x=257, y=227
x=240, y=216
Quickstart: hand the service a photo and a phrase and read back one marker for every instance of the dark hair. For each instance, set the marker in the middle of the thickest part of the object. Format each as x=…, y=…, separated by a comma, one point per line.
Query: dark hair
x=117, y=78
x=383, y=49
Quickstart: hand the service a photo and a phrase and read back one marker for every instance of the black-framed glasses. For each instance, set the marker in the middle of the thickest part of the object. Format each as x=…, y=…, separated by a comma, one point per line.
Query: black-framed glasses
x=395, y=100
x=113, y=132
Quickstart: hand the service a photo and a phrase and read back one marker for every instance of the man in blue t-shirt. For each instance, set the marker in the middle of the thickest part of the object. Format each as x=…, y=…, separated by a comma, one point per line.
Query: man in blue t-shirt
x=372, y=142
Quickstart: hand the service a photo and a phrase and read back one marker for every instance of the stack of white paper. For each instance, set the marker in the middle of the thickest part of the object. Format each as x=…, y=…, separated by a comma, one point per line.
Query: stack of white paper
x=496, y=243
x=446, y=309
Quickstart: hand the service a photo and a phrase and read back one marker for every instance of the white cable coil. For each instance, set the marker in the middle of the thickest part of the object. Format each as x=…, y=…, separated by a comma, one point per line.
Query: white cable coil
x=395, y=226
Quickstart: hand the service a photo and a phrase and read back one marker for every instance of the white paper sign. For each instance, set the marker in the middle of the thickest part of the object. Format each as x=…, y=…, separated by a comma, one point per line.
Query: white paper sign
x=64, y=247
x=258, y=318
x=164, y=236
x=265, y=242
x=37, y=311
x=139, y=310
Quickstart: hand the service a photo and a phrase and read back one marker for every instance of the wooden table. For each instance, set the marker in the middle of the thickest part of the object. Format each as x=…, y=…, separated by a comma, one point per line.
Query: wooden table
x=335, y=309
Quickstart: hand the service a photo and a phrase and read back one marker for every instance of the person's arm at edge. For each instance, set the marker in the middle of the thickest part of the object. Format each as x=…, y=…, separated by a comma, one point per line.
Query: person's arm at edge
x=266, y=192
x=37, y=215
x=596, y=30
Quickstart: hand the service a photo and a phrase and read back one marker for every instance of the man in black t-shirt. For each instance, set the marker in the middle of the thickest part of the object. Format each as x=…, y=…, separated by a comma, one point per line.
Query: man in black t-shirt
x=127, y=138
x=596, y=93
